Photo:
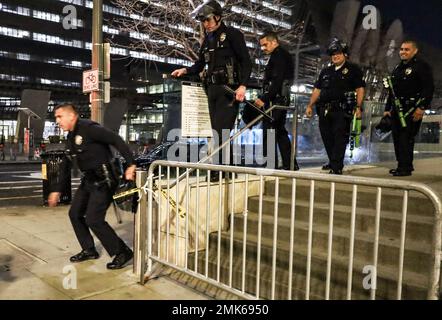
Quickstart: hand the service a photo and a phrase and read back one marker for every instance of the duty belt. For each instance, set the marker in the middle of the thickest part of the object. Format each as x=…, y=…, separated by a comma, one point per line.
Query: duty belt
x=409, y=105
x=333, y=105
x=215, y=78
x=98, y=176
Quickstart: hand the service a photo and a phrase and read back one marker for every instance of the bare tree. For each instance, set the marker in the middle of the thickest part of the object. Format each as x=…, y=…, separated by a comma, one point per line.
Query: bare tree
x=165, y=28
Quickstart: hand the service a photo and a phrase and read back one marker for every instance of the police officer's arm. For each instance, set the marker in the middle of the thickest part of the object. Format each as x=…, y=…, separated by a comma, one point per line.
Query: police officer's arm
x=313, y=99
x=388, y=105
x=359, y=85
x=196, y=68
x=244, y=63
x=360, y=93
x=426, y=94
x=315, y=95
x=106, y=136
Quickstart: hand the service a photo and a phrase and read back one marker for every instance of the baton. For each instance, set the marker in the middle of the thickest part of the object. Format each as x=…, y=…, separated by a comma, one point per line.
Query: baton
x=230, y=90
x=396, y=101
x=109, y=183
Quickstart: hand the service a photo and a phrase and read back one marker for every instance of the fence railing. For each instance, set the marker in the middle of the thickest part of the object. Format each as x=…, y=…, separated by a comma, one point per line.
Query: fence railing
x=208, y=231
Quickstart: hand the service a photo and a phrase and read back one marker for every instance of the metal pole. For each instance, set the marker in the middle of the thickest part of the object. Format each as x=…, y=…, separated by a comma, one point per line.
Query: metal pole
x=294, y=134
x=29, y=138
x=97, y=97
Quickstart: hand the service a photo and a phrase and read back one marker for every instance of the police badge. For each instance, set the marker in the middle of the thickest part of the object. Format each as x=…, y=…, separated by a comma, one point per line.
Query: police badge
x=408, y=71
x=78, y=140
x=345, y=71
x=222, y=37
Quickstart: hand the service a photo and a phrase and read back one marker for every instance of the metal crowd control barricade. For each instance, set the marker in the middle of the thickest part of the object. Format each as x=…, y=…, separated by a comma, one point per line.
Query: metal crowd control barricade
x=222, y=211
x=53, y=162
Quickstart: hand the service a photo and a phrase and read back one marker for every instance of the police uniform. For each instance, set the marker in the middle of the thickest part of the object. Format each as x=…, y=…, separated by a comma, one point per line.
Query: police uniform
x=334, y=116
x=88, y=146
x=226, y=61
x=278, y=77
x=413, y=85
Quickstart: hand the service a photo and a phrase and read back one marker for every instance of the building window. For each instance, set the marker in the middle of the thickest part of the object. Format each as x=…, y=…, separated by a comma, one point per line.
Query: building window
x=15, y=33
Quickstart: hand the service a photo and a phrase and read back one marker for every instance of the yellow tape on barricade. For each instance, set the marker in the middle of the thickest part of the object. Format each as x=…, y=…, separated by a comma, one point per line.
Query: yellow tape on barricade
x=172, y=202
x=125, y=193
x=177, y=208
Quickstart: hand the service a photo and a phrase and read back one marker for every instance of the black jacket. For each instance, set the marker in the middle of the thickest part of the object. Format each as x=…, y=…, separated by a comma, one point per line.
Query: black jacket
x=412, y=80
x=335, y=83
x=89, y=143
x=279, y=68
x=217, y=49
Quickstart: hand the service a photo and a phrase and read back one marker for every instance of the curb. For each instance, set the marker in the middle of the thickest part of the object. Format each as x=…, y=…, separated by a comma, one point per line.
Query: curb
x=20, y=162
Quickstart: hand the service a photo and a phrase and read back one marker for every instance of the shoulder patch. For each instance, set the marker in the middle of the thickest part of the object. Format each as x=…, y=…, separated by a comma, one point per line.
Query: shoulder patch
x=78, y=140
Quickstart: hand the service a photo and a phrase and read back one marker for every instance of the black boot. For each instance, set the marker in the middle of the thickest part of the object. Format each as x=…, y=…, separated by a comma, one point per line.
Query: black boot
x=326, y=166
x=338, y=171
x=84, y=255
x=401, y=173
x=121, y=259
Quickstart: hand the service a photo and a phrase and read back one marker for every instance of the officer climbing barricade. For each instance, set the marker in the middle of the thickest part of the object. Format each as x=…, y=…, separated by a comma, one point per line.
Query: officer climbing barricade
x=53, y=162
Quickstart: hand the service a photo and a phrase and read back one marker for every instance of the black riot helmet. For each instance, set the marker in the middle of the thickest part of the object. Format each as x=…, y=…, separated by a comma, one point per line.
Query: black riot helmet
x=206, y=10
x=337, y=46
x=384, y=124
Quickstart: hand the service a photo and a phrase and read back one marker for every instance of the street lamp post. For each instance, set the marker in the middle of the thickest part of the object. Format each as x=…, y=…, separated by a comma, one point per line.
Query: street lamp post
x=97, y=97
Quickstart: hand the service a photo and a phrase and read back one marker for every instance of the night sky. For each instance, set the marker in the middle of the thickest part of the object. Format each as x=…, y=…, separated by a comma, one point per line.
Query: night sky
x=421, y=18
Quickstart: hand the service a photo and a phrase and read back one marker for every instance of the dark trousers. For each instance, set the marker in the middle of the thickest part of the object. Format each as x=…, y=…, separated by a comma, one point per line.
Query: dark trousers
x=281, y=137
x=335, y=132
x=223, y=111
x=403, y=140
x=88, y=212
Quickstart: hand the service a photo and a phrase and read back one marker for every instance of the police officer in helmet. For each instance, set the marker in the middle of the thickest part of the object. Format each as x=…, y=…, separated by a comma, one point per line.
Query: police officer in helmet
x=88, y=146
x=330, y=92
x=225, y=60
x=412, y=82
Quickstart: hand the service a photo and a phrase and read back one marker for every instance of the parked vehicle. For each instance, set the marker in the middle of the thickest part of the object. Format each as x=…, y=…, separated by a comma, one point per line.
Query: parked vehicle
x=185, y=151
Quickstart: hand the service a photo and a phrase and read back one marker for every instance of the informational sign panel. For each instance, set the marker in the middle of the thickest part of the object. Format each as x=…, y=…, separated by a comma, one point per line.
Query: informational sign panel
x=195, y=117
x=90, y=81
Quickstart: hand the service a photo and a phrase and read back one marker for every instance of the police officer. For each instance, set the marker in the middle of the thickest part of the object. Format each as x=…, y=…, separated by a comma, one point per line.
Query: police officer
x=329, y=95
x=89, y=144
x=225, y=60
x=413, y=86
x=278, y=77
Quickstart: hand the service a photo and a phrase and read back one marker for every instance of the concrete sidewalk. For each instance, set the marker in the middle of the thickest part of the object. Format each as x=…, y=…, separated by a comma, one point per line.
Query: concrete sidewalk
x=36, y=243
x=35, y=246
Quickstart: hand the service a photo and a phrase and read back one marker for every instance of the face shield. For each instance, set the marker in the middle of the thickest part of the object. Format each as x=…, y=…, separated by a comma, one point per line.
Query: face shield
x=206, y=10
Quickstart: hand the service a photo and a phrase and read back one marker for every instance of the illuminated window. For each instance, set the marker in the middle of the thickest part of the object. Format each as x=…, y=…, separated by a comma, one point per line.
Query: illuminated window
x=15, y=33
x=118, y=51
x=77, y=2
x=109, y=30
x=10, y=77
x=46, y=16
